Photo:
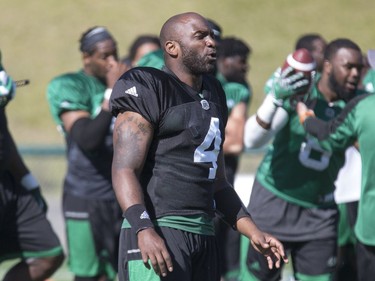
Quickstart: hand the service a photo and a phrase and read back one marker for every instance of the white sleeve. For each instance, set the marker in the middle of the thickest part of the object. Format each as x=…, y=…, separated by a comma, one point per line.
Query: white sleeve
x=256, y=136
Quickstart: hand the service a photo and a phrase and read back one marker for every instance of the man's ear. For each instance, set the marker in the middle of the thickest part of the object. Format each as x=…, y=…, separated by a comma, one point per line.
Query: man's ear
x=227, y=62
x=86, y=58
x=327, y=66
x=172, y=48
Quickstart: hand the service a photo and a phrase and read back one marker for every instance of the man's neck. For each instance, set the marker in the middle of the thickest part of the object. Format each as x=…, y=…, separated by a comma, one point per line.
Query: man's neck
x=324, y=88
x=194, y=81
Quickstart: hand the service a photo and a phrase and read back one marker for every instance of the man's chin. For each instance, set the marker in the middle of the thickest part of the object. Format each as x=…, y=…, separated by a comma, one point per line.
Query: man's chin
x=347, y=95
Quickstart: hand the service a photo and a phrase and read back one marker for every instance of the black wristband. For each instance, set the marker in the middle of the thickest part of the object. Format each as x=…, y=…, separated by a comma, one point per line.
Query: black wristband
x=138, y=217
x=229, y=206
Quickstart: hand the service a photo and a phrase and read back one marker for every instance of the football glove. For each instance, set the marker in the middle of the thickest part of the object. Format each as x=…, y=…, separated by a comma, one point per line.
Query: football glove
x=7, y=86
x=287, y=84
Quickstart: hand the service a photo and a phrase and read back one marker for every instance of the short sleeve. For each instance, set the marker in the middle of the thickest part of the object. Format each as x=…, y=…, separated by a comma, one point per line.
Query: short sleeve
x=137, y=91
x=65, y=93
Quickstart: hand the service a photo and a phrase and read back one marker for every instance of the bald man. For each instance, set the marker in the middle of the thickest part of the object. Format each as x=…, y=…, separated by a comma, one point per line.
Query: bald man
x=168, y=171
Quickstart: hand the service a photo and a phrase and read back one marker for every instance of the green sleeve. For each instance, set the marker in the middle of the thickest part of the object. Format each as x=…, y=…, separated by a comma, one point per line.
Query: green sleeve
x=67, y=93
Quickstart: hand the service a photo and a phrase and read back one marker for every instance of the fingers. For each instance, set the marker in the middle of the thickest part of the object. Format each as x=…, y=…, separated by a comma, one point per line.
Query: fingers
x=303, y=112
x=269, y=262
x=168, y=261
x=289, y=84
x=286, y=72
x=279, y=253
x=153, y=249
x=272, y=249
x=301, y=108
x=161, y=262
x=274, y=259
x=295, y=77
x=115, y=70
x=298, y=85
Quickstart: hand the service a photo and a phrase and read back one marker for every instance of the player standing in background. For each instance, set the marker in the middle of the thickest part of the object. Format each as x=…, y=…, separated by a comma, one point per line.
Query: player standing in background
x=25, y=232
x=316, y=45
x=347, y=194
x=141, y=46
x=145, y=51
x=292, y=196
x=354, y=124
x=168, y=166
x=368, y=80
x=79, y=103
x=232, y=67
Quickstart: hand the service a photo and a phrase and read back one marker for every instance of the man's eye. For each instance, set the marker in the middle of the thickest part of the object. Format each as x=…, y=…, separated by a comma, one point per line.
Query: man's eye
x=200, y=35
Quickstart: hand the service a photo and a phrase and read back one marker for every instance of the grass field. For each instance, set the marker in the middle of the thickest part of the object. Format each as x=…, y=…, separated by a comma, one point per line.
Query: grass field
x=40, y=40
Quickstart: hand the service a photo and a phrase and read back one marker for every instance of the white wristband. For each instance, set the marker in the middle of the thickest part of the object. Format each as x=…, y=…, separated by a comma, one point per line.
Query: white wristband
x=29, y=182
x=267, y=109
x=107, y=93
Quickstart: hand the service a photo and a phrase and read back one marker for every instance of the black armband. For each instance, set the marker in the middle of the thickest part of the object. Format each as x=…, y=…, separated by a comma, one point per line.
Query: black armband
x=229, y=206
x=138, y=217
x=90, y=133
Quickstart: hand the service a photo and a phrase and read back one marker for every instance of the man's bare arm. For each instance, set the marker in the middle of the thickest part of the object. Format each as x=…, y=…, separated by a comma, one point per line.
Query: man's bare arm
x=132, y=137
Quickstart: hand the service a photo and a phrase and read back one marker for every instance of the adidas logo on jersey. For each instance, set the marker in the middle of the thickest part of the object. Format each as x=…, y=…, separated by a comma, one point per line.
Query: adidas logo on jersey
x=144, y=215
x=132, y=91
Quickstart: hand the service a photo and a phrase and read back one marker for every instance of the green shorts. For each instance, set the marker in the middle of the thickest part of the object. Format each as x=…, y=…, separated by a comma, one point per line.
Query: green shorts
x=92, y=231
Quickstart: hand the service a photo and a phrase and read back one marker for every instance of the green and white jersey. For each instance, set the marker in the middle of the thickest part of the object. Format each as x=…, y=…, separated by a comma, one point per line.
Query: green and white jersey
x=296, y=168
x=369, y=81
x=355, y=123
x=153, y=59
x=75, y=91
x=234, y=92
x=89, y=173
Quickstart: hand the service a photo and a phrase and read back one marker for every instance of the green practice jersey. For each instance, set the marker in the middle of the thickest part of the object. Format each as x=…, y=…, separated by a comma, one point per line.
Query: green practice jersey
x=369, y=81
x=355, y=123
x=235, y=92
x=153, y=59
x=89, y=173
x=295, y=167
x=75, y=91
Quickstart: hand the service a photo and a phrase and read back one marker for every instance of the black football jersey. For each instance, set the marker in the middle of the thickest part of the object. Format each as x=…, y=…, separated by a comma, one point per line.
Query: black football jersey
x=4, y=142
x=180, y=169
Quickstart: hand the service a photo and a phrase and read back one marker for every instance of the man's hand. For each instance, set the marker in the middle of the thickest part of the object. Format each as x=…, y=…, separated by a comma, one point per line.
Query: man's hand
x=270, y=247
x=153, y=248
x=262, y=242
x=288, y=83
x=114, y=71
x=303, y=112
x=7, y=86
